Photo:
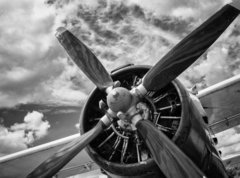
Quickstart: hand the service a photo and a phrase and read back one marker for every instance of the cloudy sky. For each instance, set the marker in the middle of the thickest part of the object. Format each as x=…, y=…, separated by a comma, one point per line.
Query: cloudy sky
x=34, y=69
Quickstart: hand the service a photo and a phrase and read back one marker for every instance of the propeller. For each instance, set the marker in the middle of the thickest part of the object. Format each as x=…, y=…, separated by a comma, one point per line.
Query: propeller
x=84, y=59
x=94, y=70
x=187, y=51
x=54, y=163
x=172, y=161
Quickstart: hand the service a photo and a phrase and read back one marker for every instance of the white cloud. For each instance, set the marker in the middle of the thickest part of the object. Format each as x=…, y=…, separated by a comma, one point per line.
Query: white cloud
x=184, y=9
x=20, y=135
x=11, y=142
x=184, y=12
x=34, y=68
x=30, y=56
x=229, y=142
x=211, y=70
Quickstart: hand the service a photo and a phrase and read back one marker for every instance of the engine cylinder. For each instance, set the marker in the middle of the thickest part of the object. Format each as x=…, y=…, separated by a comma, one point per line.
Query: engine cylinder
x=122, y=152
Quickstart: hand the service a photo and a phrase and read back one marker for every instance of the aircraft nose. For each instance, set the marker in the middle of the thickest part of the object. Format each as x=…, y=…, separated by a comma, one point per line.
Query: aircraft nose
x=119, y=99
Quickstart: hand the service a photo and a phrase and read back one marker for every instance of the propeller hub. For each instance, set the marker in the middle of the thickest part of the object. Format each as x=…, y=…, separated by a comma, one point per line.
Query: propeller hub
x=119, y=99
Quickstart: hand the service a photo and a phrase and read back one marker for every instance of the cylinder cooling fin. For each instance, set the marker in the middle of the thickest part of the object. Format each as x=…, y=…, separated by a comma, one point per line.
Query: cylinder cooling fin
x=120, y=149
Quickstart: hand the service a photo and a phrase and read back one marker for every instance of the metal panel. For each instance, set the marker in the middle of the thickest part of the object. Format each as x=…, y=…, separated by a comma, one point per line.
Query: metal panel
x=222, y=104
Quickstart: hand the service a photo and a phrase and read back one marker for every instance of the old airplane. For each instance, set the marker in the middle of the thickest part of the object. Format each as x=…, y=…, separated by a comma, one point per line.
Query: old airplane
x=140, y=121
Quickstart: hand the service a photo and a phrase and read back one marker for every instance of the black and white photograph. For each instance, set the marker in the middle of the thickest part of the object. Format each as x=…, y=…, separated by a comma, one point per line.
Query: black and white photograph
x=119, y=89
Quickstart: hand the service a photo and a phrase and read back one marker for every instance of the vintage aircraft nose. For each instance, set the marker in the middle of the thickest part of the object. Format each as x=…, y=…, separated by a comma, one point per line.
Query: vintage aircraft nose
x=119, y=99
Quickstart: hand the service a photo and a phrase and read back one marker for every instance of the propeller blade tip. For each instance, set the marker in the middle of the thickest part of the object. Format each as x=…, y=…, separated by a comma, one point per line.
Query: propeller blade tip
x=60, y=30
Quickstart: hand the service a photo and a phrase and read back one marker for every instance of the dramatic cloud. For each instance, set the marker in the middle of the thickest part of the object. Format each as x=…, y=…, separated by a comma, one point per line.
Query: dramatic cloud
x=229, y=142
x=182, y=9
x=11, y=141
x=21, y=135
x=35, y=69
x=30, y=56
x=139, y=32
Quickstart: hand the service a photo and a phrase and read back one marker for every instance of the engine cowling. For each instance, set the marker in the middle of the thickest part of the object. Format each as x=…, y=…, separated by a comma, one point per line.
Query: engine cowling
x=120, y=150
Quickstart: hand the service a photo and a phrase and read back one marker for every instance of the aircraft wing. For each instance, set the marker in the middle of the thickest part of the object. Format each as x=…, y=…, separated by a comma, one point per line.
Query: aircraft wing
x=221, y=102
x=20, y=164
x=232, y=161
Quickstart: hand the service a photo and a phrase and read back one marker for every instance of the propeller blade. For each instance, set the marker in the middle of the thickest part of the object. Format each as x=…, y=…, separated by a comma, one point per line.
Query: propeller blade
x=189, y=49
x=84, y=59
x=54, y=163
x=169, y=158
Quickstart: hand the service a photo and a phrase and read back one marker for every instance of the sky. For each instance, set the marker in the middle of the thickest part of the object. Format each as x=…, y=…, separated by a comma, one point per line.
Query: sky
x=18, y=135
x=34, y=69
